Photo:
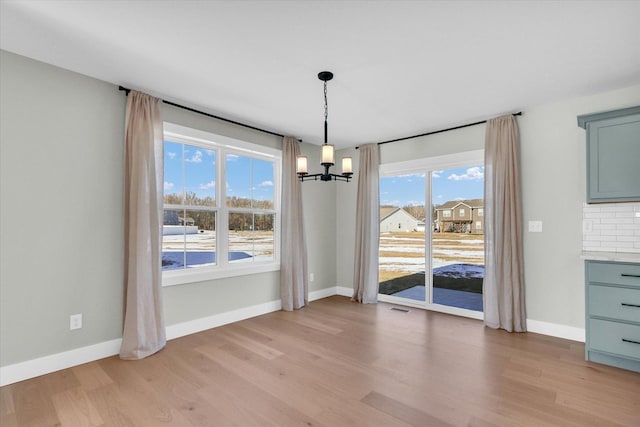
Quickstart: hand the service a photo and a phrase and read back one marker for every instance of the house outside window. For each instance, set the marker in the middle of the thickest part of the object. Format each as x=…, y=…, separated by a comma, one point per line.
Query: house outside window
x=461, y=212
x=478, y=225
x=480, y=212
x=211, y=230
x=446, y=213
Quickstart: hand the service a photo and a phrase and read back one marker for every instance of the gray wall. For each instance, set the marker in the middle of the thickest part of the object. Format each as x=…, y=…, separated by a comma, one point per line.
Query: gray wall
x=61, y=216
x=319, y=204
x=553, y=159
x=553, y=191
x=346, y=196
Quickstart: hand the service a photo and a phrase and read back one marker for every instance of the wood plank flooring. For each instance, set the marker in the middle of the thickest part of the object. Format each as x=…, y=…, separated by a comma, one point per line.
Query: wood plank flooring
x=336, y=363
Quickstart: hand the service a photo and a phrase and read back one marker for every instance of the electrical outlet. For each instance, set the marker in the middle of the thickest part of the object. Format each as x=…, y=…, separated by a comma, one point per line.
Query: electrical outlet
x=311, y=277
x=75, y=322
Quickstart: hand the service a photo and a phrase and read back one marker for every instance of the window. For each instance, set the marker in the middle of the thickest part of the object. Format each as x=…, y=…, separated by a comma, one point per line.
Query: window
x=250, y=205
x=211, y=230
x=478, y=225
x=446, y=213
x=480, y=212
x=461, y=212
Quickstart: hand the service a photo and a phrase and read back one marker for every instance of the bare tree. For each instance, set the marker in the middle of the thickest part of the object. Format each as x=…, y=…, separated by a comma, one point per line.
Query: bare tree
x=416, y=211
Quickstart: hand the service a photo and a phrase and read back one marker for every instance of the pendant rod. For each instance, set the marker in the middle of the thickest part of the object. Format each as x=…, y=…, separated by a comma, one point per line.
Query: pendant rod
x=325, y=131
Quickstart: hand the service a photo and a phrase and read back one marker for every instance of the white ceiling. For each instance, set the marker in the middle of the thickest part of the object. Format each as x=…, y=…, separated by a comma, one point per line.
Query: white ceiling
x=401, y=68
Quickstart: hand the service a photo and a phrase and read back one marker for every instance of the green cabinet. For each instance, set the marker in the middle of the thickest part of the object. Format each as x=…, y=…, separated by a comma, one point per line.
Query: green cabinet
x=613, y=155
x=613, y=314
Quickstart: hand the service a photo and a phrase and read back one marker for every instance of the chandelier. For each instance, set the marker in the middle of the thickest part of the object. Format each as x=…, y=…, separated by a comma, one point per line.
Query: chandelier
x=328, y=152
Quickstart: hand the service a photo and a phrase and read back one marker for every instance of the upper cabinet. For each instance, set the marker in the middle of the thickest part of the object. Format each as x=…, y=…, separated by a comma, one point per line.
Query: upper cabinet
x=613, y=155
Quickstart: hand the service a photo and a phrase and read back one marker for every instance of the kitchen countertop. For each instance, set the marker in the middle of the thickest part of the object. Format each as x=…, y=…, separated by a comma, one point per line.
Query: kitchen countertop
x=611, y=256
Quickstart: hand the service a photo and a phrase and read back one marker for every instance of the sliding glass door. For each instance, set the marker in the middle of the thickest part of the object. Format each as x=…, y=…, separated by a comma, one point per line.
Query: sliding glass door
x=402, y=256
x=432, y=234
x=457, y=238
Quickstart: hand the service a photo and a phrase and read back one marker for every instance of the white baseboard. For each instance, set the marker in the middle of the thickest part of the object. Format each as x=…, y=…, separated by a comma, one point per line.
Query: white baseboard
x=44, y=365
x=556, y=330
x=198, y=325
x=322, y=293
x=32, y=368
x=344, y=291
x=536, y=326
x=202, y=324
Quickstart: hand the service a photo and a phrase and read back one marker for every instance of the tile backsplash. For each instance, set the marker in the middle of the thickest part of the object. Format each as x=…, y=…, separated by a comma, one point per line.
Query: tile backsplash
x=611, y=227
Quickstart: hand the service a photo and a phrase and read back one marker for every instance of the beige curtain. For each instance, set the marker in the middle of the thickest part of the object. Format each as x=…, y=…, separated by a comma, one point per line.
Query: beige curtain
x=503, y=288
x=365, y=280
x=144, y=331
x=294, y=285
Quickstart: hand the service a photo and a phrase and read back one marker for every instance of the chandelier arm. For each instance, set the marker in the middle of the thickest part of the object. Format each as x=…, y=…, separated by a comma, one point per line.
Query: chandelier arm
x=324, y=177
x=341, y=177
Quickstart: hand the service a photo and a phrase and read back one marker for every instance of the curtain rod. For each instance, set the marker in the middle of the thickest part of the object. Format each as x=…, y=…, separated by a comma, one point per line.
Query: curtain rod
x=193, y=110
x=519, y=113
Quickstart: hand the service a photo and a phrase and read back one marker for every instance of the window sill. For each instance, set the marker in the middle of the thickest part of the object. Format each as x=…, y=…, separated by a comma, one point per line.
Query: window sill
x=183, y=277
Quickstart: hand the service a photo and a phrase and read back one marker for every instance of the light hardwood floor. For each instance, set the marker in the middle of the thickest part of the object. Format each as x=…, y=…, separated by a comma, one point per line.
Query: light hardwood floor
x=336, y=363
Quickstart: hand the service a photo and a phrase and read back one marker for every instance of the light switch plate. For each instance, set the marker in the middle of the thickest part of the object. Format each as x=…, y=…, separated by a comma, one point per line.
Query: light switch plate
x=535, y=226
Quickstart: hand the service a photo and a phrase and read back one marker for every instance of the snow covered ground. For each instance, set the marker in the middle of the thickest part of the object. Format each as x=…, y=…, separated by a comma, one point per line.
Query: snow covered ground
x=203, y=241
x=460, y=270
x=201, y=248
x=462, y=254
x=458, y=253
x=441, y=267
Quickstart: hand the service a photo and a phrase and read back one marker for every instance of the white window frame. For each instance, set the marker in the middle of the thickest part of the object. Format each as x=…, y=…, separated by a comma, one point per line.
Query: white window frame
x=446, y=213
x=429, y=165
x=461, y=212
x=223, y=146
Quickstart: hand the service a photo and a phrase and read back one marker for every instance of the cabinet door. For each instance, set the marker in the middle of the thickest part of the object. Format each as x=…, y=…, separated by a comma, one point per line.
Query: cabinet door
x=613, y=149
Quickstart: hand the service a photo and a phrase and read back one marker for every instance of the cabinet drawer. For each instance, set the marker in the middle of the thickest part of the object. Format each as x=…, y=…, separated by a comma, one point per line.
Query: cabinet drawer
x=616, y=303
x=616, y=338
x=613, y=272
